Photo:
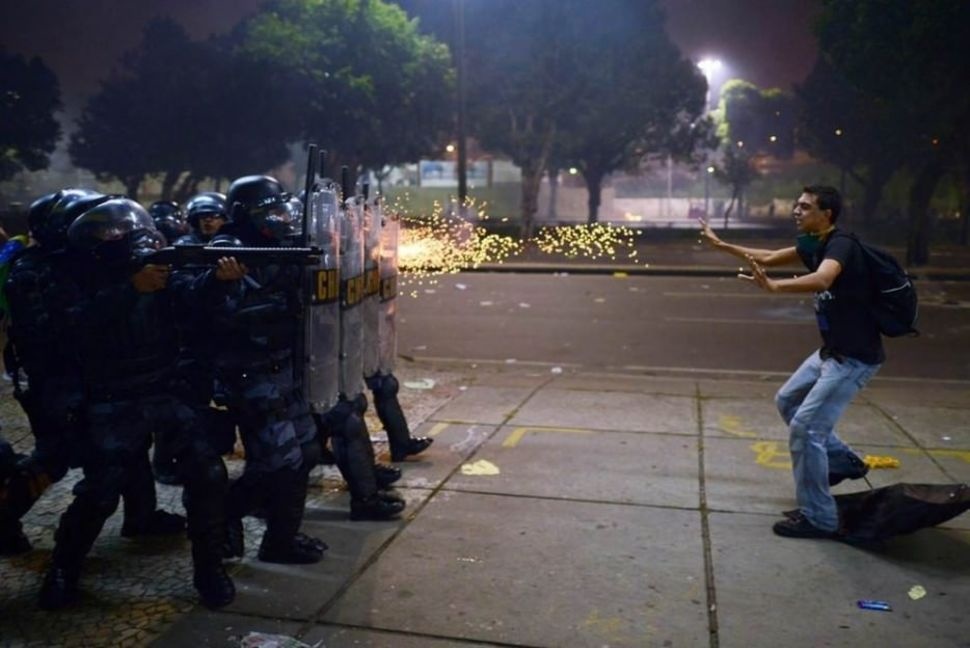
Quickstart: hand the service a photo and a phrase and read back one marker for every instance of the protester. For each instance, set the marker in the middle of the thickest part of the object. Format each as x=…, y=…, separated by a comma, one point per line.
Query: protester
x=816, y=395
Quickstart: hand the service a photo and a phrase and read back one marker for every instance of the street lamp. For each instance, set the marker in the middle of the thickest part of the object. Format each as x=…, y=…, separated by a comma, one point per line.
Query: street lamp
x=707, y=191
x=709, y=67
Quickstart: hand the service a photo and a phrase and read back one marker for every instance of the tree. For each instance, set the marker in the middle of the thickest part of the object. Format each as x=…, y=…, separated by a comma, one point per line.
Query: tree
x=840, y=124
x=187, y=110
x=639, y=96
x=751, y=122
x=28, y=100
x=365, y=84
x=914, y=57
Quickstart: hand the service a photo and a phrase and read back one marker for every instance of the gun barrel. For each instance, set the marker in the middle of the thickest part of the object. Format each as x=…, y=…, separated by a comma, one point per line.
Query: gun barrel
x=182, y=255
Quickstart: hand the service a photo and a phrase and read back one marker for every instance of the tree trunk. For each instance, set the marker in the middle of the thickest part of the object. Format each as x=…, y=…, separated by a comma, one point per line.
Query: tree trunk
x=594, y=189
x=168, y=184
x=553, y=175
x=132, y=183
x=531, y=178
x=918, y=241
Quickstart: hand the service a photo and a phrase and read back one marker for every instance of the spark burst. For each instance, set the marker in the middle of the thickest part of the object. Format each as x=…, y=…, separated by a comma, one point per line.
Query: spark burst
x=441, y=243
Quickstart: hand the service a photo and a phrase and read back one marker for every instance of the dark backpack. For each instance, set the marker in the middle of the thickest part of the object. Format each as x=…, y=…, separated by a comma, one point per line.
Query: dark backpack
x=894, y=302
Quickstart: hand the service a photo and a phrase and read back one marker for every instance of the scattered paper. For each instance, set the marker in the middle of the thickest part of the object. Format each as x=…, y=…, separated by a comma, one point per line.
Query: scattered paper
x=620, y=275
x=480, y=468
x=263, y=640
x=510, y=361
x=430, y=291
x=524, y=305
x=461, y=286
x=946, y=438
x=420, y=348
x=916, y=592
x=556, y=370
x=600, y=300
x=424, y=383
x=485, y=303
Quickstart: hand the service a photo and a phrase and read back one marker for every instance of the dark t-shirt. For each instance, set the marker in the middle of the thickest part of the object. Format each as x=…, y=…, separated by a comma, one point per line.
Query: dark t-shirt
x=843, y=313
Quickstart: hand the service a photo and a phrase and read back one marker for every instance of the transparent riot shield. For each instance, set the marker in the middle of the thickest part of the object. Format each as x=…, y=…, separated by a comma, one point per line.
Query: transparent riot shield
x=372, y=286
x=351, y=298
x=387, y=317
x=323, y=313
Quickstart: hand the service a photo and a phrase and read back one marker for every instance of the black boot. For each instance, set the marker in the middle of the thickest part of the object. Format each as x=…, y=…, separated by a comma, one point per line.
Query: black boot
x=78, y=529
x=355, y=460
x=386, y=475
x=142, y=518
x=385, y=388
x=247, y=496
x=159, y=523
x=206, y=487
x=282, y=542
x=12, y=538
x=385, y=505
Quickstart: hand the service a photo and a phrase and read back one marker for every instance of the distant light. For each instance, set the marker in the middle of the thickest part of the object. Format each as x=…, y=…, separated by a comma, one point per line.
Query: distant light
x=573, y=170
x=710, y=169
x=773, y=138
x=450, y=148
x=936, y=141
x=710, y=66
x=740, y=144
x=838, y=132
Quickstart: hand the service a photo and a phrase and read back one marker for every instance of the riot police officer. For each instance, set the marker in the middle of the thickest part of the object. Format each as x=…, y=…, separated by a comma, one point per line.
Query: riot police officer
x=43, y=296
x=205, y=214
x=127, y=348
x=168, y=219
x=254, y=369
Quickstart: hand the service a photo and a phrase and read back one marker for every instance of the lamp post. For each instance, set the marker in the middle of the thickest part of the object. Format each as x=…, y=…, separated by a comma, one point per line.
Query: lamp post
x=460, y=119
x=707, y=191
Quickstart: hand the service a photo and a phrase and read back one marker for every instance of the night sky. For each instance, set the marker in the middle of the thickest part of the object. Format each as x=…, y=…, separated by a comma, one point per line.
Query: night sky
x=768, y=42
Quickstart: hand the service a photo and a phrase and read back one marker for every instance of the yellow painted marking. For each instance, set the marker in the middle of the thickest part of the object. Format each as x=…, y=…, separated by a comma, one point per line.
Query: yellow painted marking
x=879, y=461
x=610, y=627
x=513, y=439
x=733, y=426
x=437, y=429
x=481, y=467
x=768, y=454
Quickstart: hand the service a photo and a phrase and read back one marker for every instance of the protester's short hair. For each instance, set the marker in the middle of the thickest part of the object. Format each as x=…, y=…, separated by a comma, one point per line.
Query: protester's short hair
x=827, y=198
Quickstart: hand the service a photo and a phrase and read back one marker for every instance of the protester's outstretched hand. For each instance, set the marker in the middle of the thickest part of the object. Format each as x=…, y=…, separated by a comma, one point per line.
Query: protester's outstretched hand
x=708, y=236
x=758, y=275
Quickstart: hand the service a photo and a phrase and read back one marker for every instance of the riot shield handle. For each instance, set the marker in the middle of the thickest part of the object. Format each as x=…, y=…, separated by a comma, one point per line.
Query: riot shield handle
x=311, y=178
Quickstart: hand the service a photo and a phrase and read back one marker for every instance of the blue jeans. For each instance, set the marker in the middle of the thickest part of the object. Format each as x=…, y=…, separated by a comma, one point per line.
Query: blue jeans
x=811, y=403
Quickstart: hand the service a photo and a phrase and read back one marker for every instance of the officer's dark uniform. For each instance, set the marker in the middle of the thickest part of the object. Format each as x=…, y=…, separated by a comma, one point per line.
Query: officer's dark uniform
x=128, y=349
x=43, y=298
x=254, y=369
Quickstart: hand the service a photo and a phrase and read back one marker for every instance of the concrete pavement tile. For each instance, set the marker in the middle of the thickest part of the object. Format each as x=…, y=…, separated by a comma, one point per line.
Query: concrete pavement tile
x=530, y=380
x=220, y=629
x=298, y=591
x=762, y=389
x=617, y=467
x=538, y=572
x=453, y=444
x=485, y=405
x=336, y=636
x=595, y=410
x=615, y=382
x=937, y=394
x=757, y=418
x=929, y=425
x=748, y=475
x=775, y=591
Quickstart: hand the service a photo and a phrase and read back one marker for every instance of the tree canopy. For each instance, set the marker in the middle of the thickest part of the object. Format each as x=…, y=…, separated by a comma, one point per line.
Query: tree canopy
x=915, y=58
x=361, y=79
x=28, y=100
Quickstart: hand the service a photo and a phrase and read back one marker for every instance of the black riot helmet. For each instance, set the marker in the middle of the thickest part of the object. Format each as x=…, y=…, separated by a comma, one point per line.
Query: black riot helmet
x=167, y=216
x=210, y=203
x=51, y=215
x=114, y=231
x=259, y=204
